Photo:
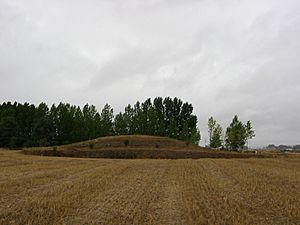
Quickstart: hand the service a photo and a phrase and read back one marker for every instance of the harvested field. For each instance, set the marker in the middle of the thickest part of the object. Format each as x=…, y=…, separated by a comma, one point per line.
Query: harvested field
x=58, y=190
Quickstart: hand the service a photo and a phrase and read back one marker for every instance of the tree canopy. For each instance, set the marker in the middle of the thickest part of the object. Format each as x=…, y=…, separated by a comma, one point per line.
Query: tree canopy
x=238, y=134
x=215, y=132
x=26, y=125
x=162, y=117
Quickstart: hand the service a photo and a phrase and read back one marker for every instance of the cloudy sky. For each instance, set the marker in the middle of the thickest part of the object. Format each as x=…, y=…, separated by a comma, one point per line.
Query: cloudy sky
x=226, y=57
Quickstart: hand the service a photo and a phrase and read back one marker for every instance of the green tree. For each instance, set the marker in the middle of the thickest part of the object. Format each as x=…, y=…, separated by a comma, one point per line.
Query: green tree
x=172, y=129
x=216, y=141
x=106, y=120
x=249, y=132
x=211, y=127
x=237, y=134
x=128, y=119
x=120, y=124
x=8, y=131
x=91, y=119
x=27, y=125
x=53, y=135
x=195, y=136
x=25, y=117
x=137, y=126
x=160, y=119
x=41, y=126
x=148, y=117
x=65, y=124
x=79, y=127
x=215, y=133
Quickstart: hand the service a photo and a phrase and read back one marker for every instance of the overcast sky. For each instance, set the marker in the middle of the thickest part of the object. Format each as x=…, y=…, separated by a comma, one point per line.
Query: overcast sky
x=226, y=57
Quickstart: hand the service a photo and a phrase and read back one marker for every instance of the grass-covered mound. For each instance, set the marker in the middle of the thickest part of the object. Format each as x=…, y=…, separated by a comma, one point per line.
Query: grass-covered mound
x=136, y=146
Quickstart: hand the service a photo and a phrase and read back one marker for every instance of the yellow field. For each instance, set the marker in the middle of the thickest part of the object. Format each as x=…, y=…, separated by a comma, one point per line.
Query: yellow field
x=48, y=190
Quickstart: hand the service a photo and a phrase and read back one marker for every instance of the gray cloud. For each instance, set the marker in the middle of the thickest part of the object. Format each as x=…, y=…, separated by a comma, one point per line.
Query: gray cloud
x=226, y=57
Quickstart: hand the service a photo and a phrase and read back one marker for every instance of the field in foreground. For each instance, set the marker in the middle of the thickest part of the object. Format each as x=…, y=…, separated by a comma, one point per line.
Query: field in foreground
x=49, y=190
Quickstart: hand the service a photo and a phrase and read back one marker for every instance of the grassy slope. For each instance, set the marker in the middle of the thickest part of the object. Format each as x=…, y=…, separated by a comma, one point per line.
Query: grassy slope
x=137, y=146
x=142, y=146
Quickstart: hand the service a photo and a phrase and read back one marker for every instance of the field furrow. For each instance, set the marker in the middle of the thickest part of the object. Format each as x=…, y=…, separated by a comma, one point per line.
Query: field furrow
x=41, y=190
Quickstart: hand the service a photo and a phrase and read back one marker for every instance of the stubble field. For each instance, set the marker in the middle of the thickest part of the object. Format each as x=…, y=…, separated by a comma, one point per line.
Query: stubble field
x=48, y=190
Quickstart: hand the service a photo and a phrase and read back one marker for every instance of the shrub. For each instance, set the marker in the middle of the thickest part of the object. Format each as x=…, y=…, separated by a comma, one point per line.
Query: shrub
x=126, y=142
x=54, y=152
x=91, y=145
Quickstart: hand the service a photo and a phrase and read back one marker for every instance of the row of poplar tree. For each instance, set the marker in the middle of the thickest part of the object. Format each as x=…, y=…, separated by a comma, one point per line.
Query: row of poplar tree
x=26, y=125
x=236, y=135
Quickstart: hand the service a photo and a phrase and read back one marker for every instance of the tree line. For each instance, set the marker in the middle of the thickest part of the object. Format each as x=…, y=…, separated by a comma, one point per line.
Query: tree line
x=27, y=125
x=236, y=135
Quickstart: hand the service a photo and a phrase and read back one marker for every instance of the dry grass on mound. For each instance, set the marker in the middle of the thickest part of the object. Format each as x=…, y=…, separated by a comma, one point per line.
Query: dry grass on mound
x=133, y=141
x=141, y=147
